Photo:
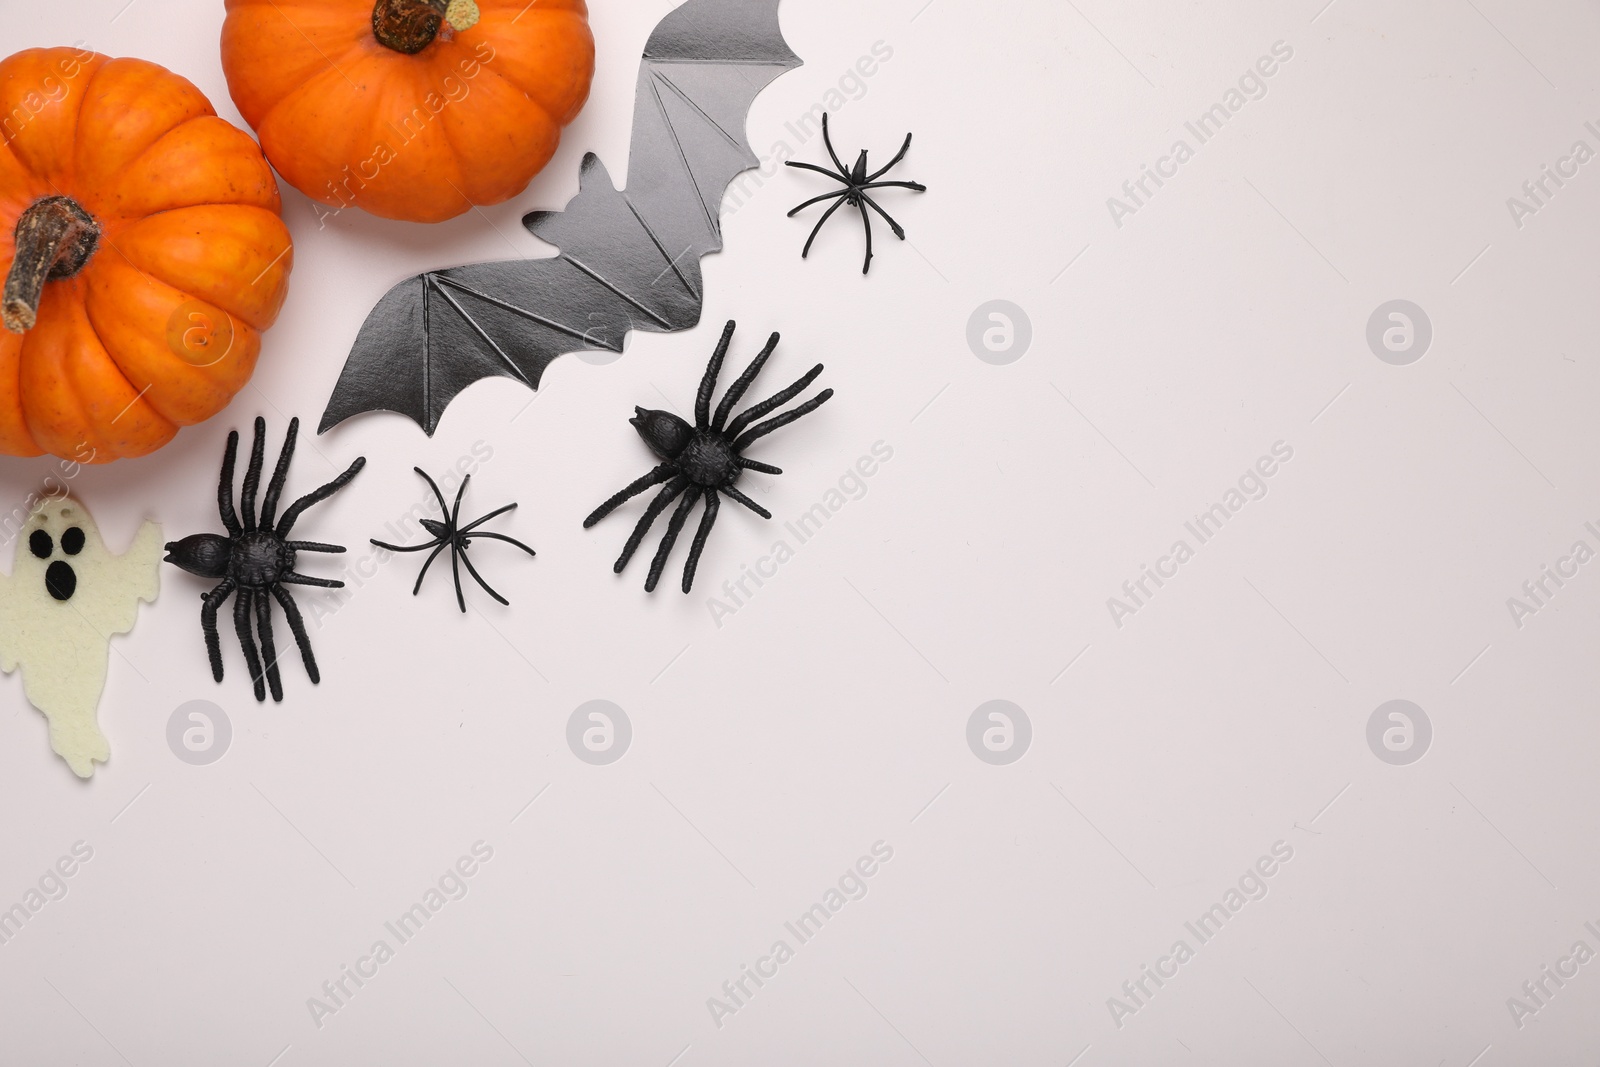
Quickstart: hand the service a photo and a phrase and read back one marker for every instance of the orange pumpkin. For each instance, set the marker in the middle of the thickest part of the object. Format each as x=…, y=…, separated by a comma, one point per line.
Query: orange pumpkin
x=142, y=252
x=409, y=109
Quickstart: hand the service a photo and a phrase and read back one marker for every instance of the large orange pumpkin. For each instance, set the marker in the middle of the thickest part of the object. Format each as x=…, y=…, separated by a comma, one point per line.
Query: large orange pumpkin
x=388, y=106
x=142, y=252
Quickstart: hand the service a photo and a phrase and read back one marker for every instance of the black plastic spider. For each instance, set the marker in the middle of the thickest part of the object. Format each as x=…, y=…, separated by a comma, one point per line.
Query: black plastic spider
x=255, y=560
x=704, y=458
x=457, y=538
x=856, y=183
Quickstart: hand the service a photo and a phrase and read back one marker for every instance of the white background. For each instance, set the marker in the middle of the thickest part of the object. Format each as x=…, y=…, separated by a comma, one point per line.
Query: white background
x=830, y=711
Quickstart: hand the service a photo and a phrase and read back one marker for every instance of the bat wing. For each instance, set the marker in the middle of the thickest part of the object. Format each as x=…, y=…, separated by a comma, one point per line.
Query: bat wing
x=702, y=69
x=628, y=260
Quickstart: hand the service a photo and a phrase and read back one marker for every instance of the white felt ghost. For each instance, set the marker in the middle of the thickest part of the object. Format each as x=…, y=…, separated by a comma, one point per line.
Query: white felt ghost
x=65, y=598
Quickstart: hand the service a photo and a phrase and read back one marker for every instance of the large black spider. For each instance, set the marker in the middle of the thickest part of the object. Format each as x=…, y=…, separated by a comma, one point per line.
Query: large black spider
x=706, y=458
x=450, y=534
x=255, y=560
x=856, y=183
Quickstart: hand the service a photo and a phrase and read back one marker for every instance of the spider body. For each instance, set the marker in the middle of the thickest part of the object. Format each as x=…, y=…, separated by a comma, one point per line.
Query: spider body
x=857, y=182
x=705, y=459
x=256, y=560
x=450, y=534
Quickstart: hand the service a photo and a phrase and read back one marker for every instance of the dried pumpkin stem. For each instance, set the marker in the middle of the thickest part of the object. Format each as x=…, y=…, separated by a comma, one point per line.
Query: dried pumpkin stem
x=54, y=239
x=407, y=26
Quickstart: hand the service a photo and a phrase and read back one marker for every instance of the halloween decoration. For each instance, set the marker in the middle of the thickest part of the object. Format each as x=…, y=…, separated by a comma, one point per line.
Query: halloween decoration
x=66, y=595
x=142, y=252
x=706, y=458
x=409, y=109
x=629, y=259
x=256, y=560
x=856, y=183
x=450, y=534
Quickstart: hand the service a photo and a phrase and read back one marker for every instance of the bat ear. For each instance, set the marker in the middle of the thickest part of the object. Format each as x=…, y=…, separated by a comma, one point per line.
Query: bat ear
x=587, y=173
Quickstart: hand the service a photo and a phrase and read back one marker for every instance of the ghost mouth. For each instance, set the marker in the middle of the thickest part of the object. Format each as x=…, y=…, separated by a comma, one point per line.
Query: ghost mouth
x=60, y=580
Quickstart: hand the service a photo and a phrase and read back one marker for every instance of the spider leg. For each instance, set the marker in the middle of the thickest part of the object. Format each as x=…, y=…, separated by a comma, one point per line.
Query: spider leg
x=627, y=492
x=297, y=626
x=708, y=383
x=828, y=142
x=487, y=588
x=657, y=506
x=313, y=546
x=740, y=384
x=413, y=548
x=225, y=485
x=475, y=523
x=208, y=623
x=318, y=495
x=893, y=225
x=761, y=429
x=841, y=177
x=887, y=167
x=455, y=572
x=457, y=549
x=668, y=539
x=269, y=649
x=914, y=186
x=293, y=578
x=778, y=399
x=816, y=200
x=508, y=540
x=866, y=220
x=444, y=509
x=241, y=623
x=818, y=227
x=252, y=475
x=757, y=465
x=269, y=503
x=442, y=545
x=707, y=518
x=747, y=502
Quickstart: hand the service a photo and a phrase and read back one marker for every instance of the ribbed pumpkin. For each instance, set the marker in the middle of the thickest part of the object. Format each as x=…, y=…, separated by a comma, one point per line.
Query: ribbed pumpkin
x=142, y=251
x=408, y=109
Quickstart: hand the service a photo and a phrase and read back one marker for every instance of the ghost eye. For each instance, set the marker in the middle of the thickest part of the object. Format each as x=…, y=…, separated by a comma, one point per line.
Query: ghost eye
x=71, y=540
x=40, y=545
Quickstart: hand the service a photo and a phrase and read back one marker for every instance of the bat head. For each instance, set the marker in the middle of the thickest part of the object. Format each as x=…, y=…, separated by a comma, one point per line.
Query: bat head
x=58, y=538
x=665, y=433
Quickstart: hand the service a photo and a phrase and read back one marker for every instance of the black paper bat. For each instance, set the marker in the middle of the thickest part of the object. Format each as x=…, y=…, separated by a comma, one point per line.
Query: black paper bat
x=629, y=259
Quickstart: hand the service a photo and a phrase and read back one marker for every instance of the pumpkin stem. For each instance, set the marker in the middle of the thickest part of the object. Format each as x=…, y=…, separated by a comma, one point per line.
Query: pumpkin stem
x=54, y=239
x=407, y=26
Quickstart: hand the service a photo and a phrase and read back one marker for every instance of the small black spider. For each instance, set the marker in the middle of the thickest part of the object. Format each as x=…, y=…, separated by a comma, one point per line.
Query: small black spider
x=457, y=538
x=705, y=458
x=856, y=183
x=255, y=560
